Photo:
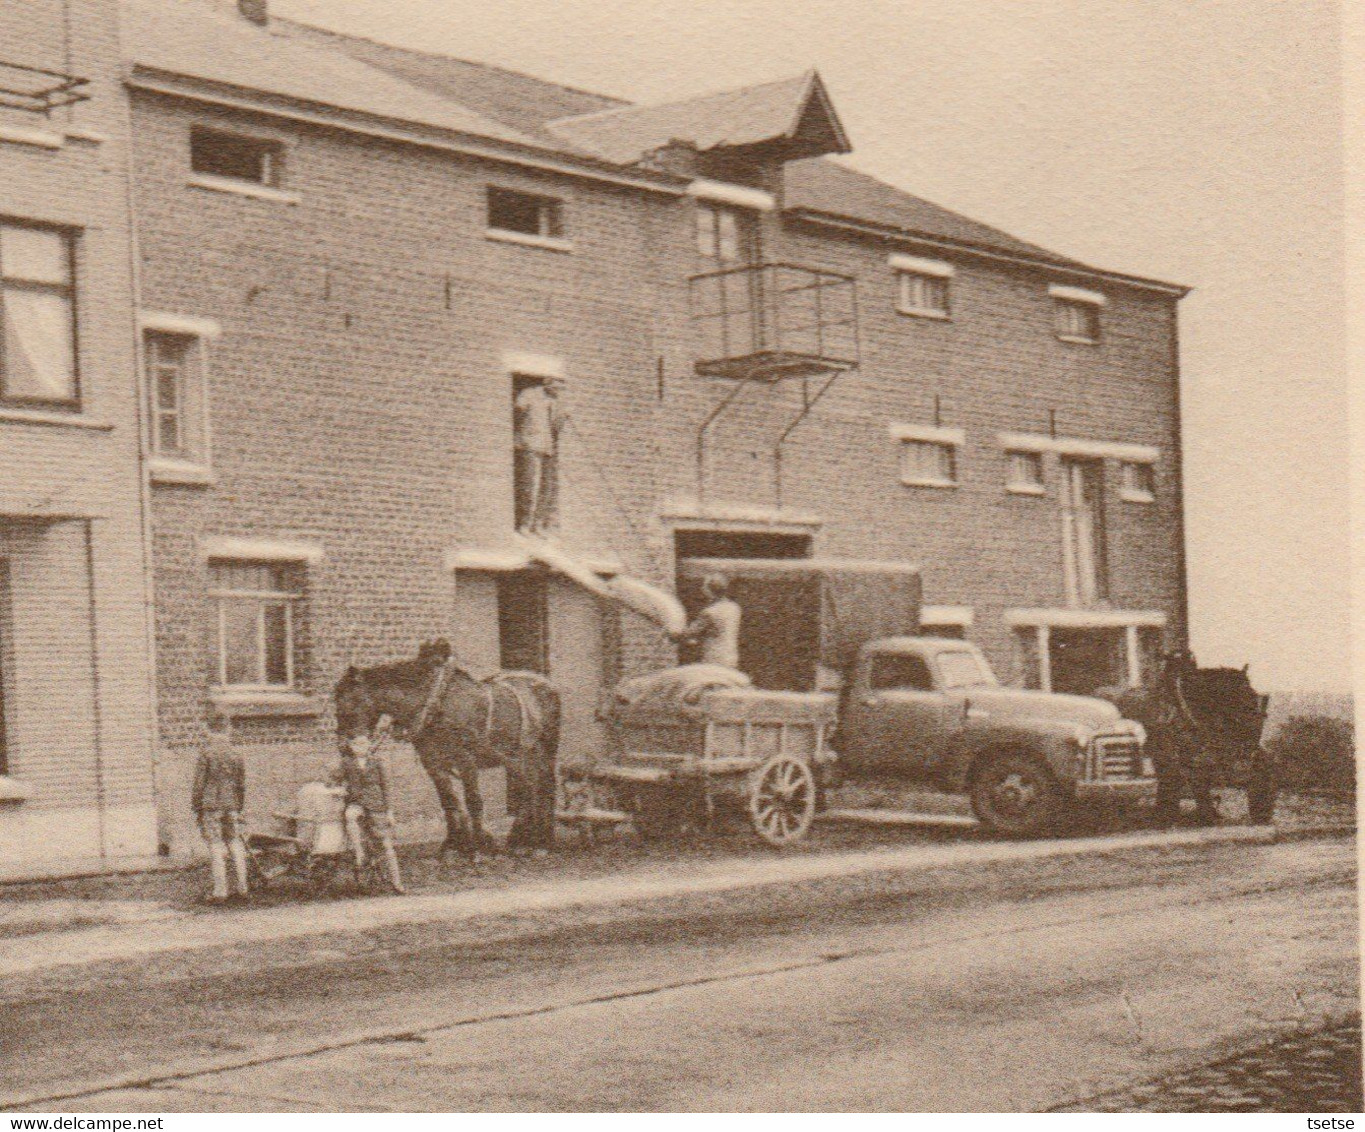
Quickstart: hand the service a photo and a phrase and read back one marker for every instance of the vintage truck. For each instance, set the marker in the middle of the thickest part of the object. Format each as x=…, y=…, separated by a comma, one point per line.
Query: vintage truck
x=923, y=709
x=930, y=711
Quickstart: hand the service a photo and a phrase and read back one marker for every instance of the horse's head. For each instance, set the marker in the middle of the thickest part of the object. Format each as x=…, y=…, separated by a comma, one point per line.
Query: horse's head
x=357, y=708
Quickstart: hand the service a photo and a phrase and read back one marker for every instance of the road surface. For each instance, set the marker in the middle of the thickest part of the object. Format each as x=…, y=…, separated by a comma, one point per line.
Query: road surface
x=1021, y=987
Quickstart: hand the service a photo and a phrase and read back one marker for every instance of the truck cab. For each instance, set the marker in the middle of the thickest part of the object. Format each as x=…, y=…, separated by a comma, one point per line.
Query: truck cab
x=929, y=710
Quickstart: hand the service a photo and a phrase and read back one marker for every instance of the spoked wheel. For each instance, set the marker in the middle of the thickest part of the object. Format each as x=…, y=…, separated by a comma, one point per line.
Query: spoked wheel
x=782, y=800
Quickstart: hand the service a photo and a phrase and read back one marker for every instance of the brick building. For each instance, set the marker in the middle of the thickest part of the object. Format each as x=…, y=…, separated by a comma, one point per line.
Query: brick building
x=352, y=259
x=76, y=719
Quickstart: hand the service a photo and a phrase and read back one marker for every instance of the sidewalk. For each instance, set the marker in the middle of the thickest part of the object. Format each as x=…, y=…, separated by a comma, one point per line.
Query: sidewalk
x=40, y=936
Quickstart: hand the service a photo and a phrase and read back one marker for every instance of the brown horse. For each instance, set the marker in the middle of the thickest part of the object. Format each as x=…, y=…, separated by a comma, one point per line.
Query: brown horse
x=459, y=725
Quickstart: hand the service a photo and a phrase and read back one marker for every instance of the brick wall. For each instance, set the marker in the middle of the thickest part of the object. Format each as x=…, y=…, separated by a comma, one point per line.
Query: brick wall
x=359, y=402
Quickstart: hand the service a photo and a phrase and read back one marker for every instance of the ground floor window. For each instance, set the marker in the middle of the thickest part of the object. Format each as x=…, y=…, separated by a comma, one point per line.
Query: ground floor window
x=257, y=607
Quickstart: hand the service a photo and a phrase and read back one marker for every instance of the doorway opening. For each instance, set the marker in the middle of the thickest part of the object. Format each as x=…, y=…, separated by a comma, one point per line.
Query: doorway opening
x=1085, y=659
x=1083, y=531
x=523, y=621
x=779, y=632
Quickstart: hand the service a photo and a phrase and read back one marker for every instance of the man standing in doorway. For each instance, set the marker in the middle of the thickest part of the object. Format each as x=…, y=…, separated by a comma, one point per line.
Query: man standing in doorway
x=538, y=419
x=716, y=627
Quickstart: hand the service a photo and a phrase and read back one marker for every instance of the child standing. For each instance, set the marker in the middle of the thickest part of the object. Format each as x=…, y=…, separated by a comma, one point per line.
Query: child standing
x=218, y=798
x=367, y=805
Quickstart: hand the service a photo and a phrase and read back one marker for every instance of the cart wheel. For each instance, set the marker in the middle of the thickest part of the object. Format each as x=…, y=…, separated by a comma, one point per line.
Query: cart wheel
x=782, y=800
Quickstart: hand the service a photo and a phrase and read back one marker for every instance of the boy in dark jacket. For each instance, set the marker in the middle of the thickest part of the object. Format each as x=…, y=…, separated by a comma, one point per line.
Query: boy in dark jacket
x=218, y=798
x=367, y=805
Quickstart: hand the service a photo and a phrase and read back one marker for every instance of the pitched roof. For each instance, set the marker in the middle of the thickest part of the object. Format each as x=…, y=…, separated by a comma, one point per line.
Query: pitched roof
x=207, y=41
x=778, y=111
x=523, y=102
x=196, y=39
x=832, y=189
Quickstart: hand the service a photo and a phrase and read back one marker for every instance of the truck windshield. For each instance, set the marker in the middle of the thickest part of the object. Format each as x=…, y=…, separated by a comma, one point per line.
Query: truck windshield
x=964, y=670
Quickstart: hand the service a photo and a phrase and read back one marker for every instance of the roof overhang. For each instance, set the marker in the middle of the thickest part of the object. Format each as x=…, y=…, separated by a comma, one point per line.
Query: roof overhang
x=153, y=81
x=854, y=226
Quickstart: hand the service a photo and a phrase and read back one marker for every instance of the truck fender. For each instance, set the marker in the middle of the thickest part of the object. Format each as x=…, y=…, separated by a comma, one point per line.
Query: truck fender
x=974, y=751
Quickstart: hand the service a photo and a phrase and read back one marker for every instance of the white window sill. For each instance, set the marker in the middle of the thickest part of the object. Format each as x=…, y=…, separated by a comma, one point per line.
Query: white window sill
x=1033, y=489
x=1137, y=497
x=164, y=469
x=246, y=703
x=525, y=239
x=14, y=789
x=26, y=135
x=40, y=417
x=928, y=483
x=922, y=312
x=1078, y=340
x=242, y=188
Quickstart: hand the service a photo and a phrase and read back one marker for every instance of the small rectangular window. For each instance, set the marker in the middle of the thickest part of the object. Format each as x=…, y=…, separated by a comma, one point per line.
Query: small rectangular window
x=923, y=294
x=725, y=234
x=255, y=605
x=928, y=463
x=525, y=214
x=1025, y=475
x=1137, y=483
x=168, y=358
x=236, y=157
x=1077, y=321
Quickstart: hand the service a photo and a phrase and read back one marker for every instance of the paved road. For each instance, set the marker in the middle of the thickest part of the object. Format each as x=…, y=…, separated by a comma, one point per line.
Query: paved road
x=1032, y=986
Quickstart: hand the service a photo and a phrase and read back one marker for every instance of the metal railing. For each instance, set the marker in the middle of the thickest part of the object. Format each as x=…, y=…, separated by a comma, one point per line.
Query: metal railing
x=39, y=91
x=769, y=321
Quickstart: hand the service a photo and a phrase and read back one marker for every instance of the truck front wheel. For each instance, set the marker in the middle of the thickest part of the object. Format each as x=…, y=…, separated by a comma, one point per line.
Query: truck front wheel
x=1016, y=795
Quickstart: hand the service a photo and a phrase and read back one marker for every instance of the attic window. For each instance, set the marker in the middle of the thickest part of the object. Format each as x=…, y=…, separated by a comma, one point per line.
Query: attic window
x=528, y=217
x=235, y=157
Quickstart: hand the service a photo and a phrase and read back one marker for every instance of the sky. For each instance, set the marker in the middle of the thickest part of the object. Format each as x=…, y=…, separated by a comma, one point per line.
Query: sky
x=1197, y=141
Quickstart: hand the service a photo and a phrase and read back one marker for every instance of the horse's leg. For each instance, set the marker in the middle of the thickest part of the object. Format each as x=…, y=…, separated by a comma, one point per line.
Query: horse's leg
x=448, y=792
x=516, y=806
x=482, y=840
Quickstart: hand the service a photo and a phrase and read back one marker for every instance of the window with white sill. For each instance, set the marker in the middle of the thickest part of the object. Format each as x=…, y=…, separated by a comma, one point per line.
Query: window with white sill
x=257, y=624
x=526, y=214
x=236, y=157
x=922, y=294
x=726, y=234
x=1137, y=482
x=38, y=364
x=1024, y=474
x=928, y=463
x=176, y=365
x=1077, y=320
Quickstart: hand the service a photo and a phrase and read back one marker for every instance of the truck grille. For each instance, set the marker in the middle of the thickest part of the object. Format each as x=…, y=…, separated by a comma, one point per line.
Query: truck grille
x=1115, y=758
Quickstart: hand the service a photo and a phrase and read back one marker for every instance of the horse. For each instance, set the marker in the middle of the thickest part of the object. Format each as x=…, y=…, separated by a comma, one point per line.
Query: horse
x=1203, y=728
x=459, y=725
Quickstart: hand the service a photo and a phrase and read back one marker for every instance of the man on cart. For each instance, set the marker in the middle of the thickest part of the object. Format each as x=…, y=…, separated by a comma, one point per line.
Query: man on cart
x=716, y=627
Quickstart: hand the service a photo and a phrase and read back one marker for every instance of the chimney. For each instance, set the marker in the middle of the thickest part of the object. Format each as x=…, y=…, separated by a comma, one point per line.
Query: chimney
x=257, y=11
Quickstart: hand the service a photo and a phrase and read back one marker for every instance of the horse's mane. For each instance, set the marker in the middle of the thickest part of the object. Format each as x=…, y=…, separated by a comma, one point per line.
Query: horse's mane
x=411, y=673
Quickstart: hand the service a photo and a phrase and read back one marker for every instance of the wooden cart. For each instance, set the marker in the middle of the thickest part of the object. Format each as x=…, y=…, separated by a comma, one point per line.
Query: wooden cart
x=758, y=753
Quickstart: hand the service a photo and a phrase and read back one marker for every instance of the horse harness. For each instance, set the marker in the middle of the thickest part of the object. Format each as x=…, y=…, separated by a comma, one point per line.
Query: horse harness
x=489, y=686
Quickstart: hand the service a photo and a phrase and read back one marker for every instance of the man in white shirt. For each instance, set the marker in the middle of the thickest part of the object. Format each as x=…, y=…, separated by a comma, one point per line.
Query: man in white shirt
x=716, y=627
x=538, y=420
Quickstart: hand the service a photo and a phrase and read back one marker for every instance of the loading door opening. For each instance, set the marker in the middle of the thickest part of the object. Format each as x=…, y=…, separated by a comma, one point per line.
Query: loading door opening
x=779, y=635
x=523, y=621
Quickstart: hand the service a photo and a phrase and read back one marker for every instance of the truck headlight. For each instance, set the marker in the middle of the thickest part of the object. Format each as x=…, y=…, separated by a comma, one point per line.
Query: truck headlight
x=1140, y=733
